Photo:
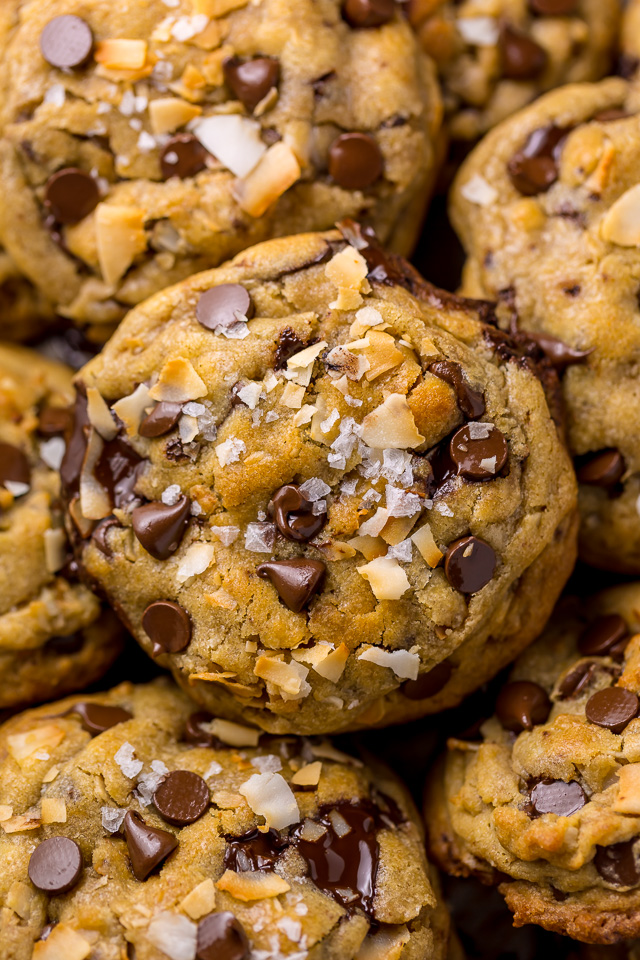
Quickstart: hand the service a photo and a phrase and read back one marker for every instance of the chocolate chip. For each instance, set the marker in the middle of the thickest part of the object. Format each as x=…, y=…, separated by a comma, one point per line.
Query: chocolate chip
x=553, y=8
x=613, y=708
x=162, y=418
x=355, y=161
x=54, y=421
x=221, y=937
x=478, y=457
x=560, y=355
x=14, y=465
x=556, y=796
x=294, y=516
x=617, y=864
x=195, y=735
x=220, y=306
x=368, y=13
x=607, y=636
x=98, y=717
x=296, y=581
x=183, y=156
x=611, y=115
x=469, y=564
x=288, y=343
x=470, y=401
x=66, y=42
x=55, y=865
x=100, y=535
x=251, y=80
x=429, y=683
x=522, y=57
x=65, y=646
x=160, y=527
x=576, y=680
x=534, y=169
x=71, y=195
x=604, y=469
x=168, y=626
x=148, y=846
x=181, y=798
x=521, y=705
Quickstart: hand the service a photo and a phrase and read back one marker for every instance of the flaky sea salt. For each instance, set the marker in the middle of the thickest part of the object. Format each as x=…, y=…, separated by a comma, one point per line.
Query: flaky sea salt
x=185, y=28
x=171, y=495
x=55, y=95
x=349, y=487
x=226, y=535
x=268, y=764
x=230, y=451
x=148, y=783
x=314, y=489
x=477, y=190
x=479, y=431
x=125, y=758
x=402, y=551
x=260, y=537
x=443, y=509
x=213, y=770
x=112, y=818
x=400, y=503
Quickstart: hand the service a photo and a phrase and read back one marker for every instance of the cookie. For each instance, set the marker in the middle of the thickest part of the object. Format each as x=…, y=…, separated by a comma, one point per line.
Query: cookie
x=153, y=831
x=24, y=311
x=494, y=58
x=545, y=208
x=53, y=636
x=546, y=802
x=332, y=497
x=141, y=146
x=630, y=39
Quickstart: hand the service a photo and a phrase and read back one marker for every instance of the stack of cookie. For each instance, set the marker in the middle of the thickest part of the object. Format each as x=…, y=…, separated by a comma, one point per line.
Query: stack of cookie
x=323, y=495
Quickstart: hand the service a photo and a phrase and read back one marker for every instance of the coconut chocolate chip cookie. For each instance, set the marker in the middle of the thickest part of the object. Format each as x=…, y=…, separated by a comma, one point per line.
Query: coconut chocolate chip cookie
x=54, y=638
x=548, y=209
x=496, y=56
x=547, y=802
x=323, y=493
x=143, y=143
x=132, y=827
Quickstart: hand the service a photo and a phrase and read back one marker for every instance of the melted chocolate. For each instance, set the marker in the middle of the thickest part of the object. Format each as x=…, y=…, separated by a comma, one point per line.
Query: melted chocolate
x=288, y=344
x=470, y=401
x=254, y=851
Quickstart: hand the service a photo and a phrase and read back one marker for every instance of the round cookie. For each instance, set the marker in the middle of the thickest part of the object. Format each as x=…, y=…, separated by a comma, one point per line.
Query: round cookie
x=495, y=57
x=545, y=208
x=546, y=803
x=54, y=638
x=349, y=510
x=187, y=133
x=24, y=312
x=177, y=835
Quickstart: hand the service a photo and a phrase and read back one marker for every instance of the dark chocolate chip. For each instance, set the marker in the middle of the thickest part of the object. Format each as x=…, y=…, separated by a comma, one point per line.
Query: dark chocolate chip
x=148, y=846
x=577, y=679
x=54, y=421
x=221, y=937
x=100, y=535
x=521, y=705
x=617, y=864
x=470, y=401
x=294, y=516
x=604, y=469
x=161, y=420
x=194, y=734
x=355, y=161
x=368, y=13
x=160, y=527
x=613, y=708
x=607, y=636
x=55, y=865
x=14, y=465
x=66, y=42
x=429, y=683
x=553, y=8
x=560, y=355
x=46, y=930
x=254, y=851
x=181, y=798
x=296, y=581
x=534, y=168
x=251, y=80
x=522, y=57
x=220, y=306
x=183, y=156
x=482, y=458
x=556, y=796
x=71, y=195
x=289, y=343
x=168, y=626
x=98, y=717
x=469, y=564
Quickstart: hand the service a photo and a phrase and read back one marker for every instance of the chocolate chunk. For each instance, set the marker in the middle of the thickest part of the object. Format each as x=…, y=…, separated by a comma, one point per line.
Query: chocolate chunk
x=117, y=470
x=534, y=169
x=605, y=637
x=160, y=527
x=355, y=161
x=183, y=156
x=181, y=798
x=429, y=683
x=560, y=355
x=553, y=8
x=469, y=564
x=604, y=469
x=289, y=343
x=100, y=535
x=168, y=626
x=148, y=846
x=294, y=516
x=613, y=708
x=617, y=864
x=470, y=401
x=296, y=581
x=221, y=306
x=368, y=13
x=556, y=796
x=522, y=57
x=161, y=420
x=577, y=679
x=54, y=421
x=254, y=851
x=221, y=937
x=98, y=717
x=481, y=458
x=66, y=42
x=521, y=705
x=14, y=465
x=71, y=195
x=55, y=865
x=251, y=80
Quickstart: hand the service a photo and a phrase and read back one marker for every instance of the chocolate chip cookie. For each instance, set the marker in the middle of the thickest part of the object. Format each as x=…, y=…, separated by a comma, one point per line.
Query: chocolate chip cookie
x=141, y=146
x=546, y=803
x=546, y=209
x=325, y=494
x=630, y=39
x=496, y=57
x=53, y=636
x=131, y=826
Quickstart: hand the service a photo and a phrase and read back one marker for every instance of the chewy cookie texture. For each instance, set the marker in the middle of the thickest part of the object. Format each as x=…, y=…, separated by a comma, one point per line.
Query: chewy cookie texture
x=54, y=638
x=547, y=209
x=149, y=833
x=144, y=142
x=324, y=494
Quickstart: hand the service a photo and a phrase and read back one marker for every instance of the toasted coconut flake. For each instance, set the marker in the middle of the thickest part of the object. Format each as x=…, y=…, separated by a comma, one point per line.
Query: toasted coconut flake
x=370, y=547
x=309, y=775
x=332, y=666
x=63, y=943
x=55, y=549
x=375, y=524
x=252, y=886
x=396, y=529
x=290, y=678
x=339, y=823
x=312, y=831
x=94, y=499
x=51, y=774
x=270, y=796
x=235, y=734
x=100, y=416
x=53, y=810
x=234, y=140
x=197, y=558
x=132, y=409
x=336, y=550
x=621, y=224
x=178, y=382
x=167, y=114
x=27, y=821
x=22, y=746
x=304, y=415
x=387, y=944
x=201, y=900
x=222, y=598
x=20, y=899
x=391, y=425
x=277, y=170
x=174, y=935
x=348, y=271
x=306, y=358
x=382, y=354
x=120, y=237
x=628, y=799
x=6, y=812
x=292, y=396
x=424, y=541
x=121, y=54
x=386, y=577
x=405, y=665
x=351, y=366
x=477, y=190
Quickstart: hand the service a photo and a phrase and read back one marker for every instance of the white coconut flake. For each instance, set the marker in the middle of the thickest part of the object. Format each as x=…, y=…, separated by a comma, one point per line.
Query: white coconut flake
x=112, y=818
x=369, y=317
x=270, y=796
x=260, y=537
x=197, y=558
x=477, y=190
x=185, y=28
x=55, y=95
x=174, y=935
x=314, y=489
x=268, y=764
x=146, y=143
x=481, y=31
x=52, y=452
x=230, y=451
x=404, y=664
x=16, y=488
x=250, y=394
x=291, y=928
x=125, y=758
x=479, y=431
x=489, y=464
x=235, y=141
x=171, y=495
